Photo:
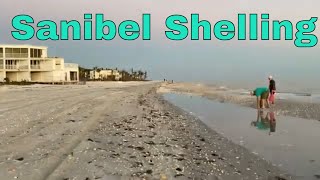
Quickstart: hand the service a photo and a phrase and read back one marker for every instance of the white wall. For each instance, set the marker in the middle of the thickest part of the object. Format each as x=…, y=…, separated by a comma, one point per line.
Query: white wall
x=36, y=76
x=23, y=76
x=58, y=76
x=18, y=76
x=55, y=76
x=2, y=76
x=13, y=76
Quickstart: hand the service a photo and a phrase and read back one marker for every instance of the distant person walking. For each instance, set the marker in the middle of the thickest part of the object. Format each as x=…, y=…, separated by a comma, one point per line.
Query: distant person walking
x=272, y=89
x=262, y=94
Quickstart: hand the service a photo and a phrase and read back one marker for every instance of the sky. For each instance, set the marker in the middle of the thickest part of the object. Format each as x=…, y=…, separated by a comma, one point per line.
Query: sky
x=235, y=62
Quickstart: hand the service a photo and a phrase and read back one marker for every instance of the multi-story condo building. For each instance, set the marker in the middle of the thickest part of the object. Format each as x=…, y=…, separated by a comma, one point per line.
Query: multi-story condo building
x=31, y=63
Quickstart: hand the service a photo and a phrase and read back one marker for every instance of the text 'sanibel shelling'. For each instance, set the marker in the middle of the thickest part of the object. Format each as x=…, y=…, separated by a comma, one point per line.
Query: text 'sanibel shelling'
x=178, y=27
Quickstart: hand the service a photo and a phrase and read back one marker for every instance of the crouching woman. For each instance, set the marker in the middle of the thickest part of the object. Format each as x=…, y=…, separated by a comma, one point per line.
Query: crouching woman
x=262, y=94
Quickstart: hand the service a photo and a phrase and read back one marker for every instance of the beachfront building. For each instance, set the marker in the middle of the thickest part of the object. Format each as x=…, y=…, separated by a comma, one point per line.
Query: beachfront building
x=108, y=74
x=31, y=63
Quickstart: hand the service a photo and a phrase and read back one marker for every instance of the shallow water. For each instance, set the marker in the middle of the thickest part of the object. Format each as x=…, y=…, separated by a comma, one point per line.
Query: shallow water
x=293, y=146
x=298, y=97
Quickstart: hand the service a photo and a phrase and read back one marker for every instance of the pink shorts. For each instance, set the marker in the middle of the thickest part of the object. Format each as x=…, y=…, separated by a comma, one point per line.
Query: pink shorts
x=272, y=97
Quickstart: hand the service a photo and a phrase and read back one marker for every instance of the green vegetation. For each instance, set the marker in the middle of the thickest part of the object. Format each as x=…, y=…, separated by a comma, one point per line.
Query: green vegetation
x=123, y=75
x=8, y=82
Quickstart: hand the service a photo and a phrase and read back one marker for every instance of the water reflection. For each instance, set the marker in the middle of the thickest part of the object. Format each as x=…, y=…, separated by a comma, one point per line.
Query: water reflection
x=265, y=121
x=293, y=143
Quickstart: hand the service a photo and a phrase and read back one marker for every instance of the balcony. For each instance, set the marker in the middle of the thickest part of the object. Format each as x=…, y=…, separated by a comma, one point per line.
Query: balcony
x=1, y=55
x=41, y=67
x=35, y=67
x=17, y=67
x=16, y=55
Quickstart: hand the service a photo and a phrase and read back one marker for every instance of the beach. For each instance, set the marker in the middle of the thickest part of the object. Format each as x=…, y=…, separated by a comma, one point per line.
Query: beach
x=286, y=107
x=103, y=130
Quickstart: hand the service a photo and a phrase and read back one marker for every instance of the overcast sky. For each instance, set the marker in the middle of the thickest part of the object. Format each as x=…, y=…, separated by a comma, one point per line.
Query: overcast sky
x=183, y=60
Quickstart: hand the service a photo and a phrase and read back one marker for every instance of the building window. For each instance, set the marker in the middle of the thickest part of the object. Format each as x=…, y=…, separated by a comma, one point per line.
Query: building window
x=1, y=64
x=24, y=52
x=39, y=52
x=11, y=64
x=8, y=52
x=73, y=76
x=16, y=52
x=35, y=53
x=35, y=64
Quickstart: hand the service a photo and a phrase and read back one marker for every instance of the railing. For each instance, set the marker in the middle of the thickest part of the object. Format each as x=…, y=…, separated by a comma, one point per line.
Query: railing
x=1, y=55
x=41, y=67
x=17, y=67
x=35, y=66
x=16, y=55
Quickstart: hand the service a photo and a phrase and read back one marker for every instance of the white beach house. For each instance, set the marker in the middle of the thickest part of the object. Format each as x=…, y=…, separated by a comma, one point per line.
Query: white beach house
x=31, y=63
x=105, y=74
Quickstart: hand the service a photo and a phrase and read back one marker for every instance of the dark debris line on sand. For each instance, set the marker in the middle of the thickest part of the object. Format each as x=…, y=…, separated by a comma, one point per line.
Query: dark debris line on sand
x=163, y=142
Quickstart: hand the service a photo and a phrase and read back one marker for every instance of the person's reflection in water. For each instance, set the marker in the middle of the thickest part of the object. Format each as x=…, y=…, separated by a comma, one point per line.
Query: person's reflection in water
x=272, y=120
x=262, y=121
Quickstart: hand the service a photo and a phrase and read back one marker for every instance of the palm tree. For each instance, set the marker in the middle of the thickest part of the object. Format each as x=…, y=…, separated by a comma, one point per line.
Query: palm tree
x=145, y=75
x=125, y=75
x=134, y=75
x=140, y=75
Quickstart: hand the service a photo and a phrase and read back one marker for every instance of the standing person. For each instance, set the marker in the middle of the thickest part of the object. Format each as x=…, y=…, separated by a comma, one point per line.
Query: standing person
x=272, y=89
x=262, y=94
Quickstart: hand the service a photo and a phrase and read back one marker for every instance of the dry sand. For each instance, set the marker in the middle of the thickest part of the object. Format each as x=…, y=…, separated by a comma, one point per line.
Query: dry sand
x=103, y=130
x=305, y=110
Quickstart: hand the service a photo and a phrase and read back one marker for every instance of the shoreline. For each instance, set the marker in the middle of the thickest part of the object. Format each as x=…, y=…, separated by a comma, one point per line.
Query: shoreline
x=106, y=130
x=305, y=110
x=229, y=152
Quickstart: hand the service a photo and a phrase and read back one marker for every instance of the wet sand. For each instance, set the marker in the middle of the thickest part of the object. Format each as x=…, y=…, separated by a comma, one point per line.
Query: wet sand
x=306, y=110
x=104, y=130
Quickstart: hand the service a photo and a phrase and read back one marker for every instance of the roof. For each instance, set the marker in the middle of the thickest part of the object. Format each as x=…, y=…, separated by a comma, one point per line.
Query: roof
x=23, y=46
x=71, y=65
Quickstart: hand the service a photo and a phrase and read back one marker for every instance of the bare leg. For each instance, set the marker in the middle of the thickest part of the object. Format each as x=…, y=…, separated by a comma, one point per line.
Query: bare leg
x=258, y=102
x=262, y=103
x=267, y=100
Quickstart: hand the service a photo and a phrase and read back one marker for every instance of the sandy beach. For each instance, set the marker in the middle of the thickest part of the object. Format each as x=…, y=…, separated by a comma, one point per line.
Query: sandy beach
x=306, y=110
x=111, y=129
